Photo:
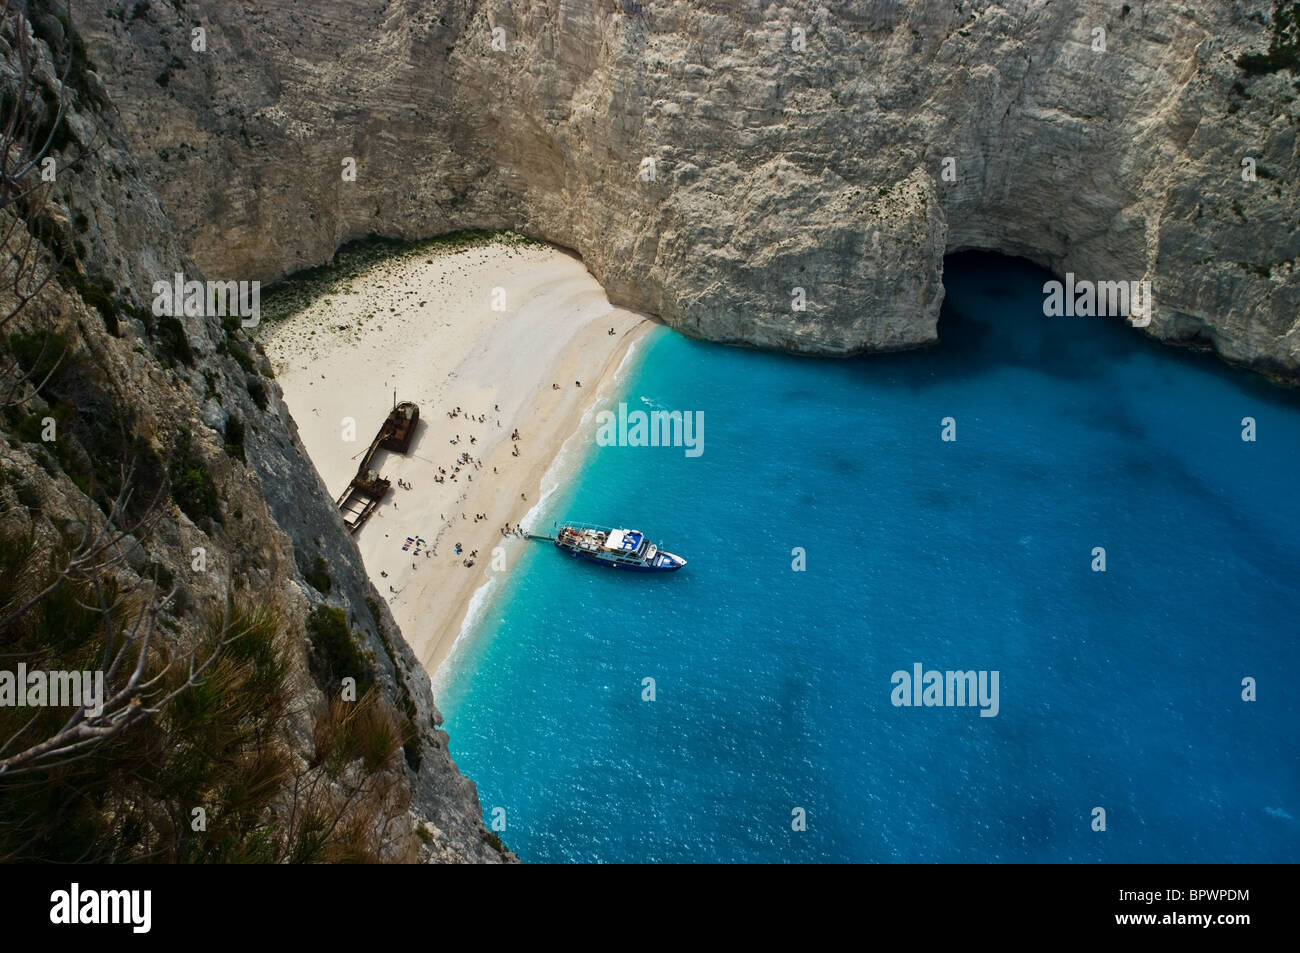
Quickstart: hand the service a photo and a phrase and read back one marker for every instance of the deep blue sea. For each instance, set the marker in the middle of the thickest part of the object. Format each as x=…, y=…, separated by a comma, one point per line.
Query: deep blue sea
x=1119, y=689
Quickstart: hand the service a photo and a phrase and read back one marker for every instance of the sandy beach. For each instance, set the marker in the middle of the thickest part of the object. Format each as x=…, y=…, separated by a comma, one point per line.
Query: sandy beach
x=425, y=327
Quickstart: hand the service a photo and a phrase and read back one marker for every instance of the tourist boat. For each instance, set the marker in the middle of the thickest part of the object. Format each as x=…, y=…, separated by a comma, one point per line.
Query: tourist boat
x=617, y=548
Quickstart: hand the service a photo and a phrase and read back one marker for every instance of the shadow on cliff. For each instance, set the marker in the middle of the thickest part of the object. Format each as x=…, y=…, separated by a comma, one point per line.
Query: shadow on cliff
x=992, y=320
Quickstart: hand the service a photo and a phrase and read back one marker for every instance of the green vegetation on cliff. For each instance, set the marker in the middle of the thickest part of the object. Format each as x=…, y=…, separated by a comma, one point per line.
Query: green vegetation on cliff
x=300, y=290
x=1284, y=47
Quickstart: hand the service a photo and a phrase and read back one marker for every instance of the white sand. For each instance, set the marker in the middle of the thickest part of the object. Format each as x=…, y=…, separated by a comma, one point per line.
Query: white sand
x=433, y=337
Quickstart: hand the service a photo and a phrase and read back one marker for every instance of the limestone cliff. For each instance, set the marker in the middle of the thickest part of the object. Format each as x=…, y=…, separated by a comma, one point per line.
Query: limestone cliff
x=1100, y=138
x=715, y=162
x=226, y=510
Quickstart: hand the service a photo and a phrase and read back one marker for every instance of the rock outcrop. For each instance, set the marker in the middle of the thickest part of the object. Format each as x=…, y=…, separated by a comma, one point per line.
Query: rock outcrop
x=797, y=145
x=780, y=175
x=228, y=507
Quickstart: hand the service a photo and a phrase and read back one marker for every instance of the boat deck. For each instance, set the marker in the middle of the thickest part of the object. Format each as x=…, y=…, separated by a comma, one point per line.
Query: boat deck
x=589, y=540
x=356, y=506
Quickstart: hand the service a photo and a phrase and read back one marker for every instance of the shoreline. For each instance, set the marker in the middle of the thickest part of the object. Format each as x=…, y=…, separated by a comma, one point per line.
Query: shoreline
x=565, y=463
x=425, y=325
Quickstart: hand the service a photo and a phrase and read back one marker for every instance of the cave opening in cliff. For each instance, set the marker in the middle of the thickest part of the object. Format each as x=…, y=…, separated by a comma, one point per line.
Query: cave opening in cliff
x=995, y=313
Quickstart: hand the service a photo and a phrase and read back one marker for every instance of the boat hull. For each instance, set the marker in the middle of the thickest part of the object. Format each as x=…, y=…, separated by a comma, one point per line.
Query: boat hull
x=625, y=567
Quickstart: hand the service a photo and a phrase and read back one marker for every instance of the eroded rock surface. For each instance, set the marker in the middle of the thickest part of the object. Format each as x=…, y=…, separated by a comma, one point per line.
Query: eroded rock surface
x=133, y=396
x=775, y=168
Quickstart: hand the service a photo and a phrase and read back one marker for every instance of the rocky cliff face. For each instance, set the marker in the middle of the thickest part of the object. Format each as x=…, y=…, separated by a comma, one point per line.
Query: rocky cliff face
x=228, y=509
x=716, y=163
x=795, y=146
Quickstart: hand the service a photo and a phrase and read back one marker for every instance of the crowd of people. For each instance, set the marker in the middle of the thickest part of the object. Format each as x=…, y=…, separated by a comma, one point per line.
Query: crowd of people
x=460, y=466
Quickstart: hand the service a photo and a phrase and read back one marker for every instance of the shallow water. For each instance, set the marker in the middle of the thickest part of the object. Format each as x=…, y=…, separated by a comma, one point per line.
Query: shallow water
x=1118, y=689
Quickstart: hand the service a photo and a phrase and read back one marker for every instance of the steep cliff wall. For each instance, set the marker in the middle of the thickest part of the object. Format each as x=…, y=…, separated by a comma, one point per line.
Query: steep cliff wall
x=227, y=508
x=775, y=168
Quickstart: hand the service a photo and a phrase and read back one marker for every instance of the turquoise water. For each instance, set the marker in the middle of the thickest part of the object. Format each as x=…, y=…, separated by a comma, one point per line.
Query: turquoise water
x=1119, y=690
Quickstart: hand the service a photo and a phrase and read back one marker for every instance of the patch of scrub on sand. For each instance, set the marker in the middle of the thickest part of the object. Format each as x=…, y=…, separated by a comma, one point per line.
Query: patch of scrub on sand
x=301, y=290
